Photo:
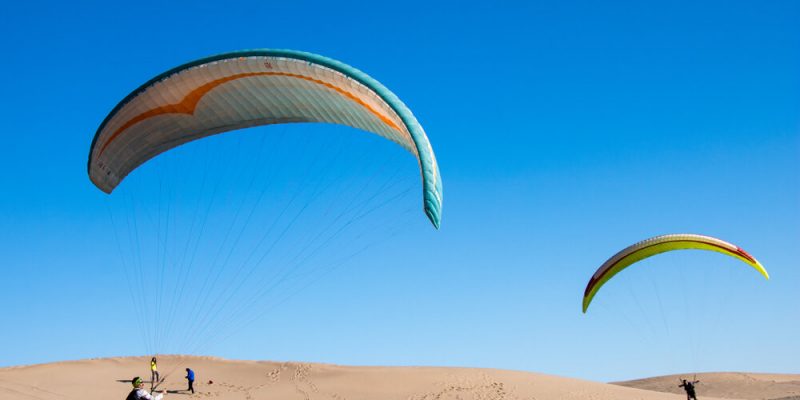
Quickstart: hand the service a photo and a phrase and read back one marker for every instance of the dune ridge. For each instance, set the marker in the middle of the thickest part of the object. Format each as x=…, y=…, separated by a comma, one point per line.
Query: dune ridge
x=744, y=385
x=218, y=378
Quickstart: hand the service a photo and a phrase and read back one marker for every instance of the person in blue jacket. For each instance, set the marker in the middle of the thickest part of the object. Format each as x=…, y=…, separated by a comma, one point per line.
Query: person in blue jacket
x=190, y=378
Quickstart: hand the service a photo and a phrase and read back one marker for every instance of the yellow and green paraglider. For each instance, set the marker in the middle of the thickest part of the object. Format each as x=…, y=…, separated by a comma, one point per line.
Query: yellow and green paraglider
x=660, y=244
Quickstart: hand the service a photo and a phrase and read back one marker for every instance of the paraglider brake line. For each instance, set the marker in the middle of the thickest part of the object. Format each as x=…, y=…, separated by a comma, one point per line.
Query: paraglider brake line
x=160, y=381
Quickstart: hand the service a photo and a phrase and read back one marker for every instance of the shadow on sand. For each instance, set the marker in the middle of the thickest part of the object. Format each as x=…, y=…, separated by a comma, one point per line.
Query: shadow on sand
x=177, y=391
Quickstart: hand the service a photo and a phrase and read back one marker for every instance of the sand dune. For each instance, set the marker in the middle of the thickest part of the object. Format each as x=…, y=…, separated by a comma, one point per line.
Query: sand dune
x=728, y=385
x=109, y=378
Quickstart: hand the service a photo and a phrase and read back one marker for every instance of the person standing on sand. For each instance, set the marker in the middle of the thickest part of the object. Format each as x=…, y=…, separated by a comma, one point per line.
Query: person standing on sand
x=190, y=378
x=154, y=378
x=138, y=392
x=689, y=388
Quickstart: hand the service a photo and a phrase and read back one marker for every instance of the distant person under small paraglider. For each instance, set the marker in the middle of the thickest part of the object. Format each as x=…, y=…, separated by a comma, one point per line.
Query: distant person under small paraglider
x=689, y=388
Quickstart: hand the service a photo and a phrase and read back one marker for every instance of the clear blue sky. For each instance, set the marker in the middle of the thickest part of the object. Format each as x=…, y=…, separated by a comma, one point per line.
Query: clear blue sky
x=564, y=131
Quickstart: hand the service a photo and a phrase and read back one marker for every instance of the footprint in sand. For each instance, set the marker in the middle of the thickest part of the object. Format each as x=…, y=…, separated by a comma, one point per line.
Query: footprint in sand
x=275, y=375
x=484, y=389
x=301, y=381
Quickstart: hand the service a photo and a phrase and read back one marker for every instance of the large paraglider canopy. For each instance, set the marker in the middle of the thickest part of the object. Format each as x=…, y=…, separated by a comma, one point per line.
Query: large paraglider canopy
x=214, y=233
x=660, y=244
x=250, y=88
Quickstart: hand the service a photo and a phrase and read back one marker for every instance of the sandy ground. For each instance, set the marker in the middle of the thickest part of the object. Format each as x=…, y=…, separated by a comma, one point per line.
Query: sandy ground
x=109, y=378
x=727, y=385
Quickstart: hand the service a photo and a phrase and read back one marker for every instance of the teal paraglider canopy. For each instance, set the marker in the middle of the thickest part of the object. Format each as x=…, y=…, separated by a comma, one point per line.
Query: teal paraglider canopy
x=252, y=88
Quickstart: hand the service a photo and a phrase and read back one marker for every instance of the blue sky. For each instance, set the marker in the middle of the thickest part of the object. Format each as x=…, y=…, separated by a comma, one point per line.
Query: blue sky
x=564, y=131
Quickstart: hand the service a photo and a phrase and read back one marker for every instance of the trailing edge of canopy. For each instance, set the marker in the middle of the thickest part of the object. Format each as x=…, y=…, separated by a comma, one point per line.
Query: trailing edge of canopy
x=432, y=186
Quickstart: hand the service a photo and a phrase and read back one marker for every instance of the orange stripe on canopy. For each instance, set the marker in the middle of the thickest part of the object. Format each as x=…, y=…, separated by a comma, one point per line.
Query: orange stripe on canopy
x=189, y=103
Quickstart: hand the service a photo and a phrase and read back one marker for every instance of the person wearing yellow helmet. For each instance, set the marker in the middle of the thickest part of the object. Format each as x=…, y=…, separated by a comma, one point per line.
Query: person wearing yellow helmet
x=138, y=392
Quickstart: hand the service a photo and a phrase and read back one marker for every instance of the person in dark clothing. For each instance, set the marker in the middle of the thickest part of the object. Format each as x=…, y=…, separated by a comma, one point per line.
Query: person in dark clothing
x=190, y=378
x=689, y=388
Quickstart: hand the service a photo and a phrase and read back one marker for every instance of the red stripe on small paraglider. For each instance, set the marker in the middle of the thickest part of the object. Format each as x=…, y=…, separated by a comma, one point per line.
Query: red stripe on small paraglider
x=594, y=281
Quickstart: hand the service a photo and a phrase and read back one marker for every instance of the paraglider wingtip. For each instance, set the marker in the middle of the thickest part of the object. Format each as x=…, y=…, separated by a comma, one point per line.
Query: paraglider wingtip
x=753, y=262
x=103, y=188
x=433, y=217
x=588, y=296
x=761, y=270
